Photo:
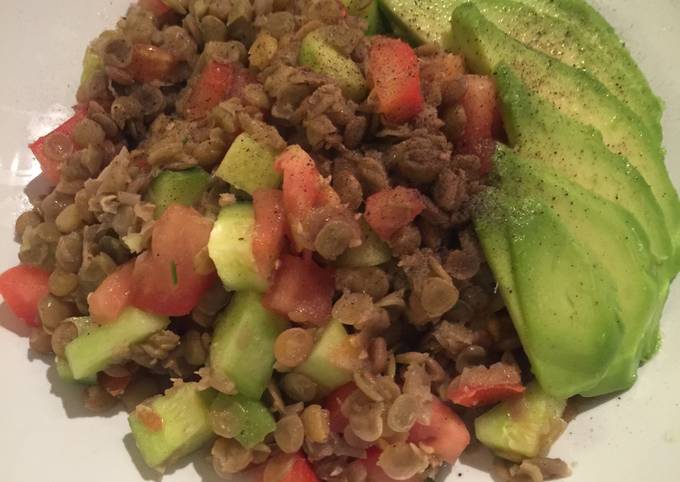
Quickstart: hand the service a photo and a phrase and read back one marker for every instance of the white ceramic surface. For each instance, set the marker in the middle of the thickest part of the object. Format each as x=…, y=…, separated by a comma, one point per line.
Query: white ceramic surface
x=46, y=436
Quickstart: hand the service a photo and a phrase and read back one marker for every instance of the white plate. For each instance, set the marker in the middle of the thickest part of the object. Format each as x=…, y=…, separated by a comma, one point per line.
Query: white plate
x=45, y=435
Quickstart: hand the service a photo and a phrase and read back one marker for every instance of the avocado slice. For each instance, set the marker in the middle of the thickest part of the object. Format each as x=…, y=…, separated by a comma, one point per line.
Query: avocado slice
x=249, y=420
x=230, y=248
x=242, y=346
x=518, y=428
x=184, y=425
x=371, y=252
x=323, y=366
x=613, y=238
x=100, y=346
x=540, y=131
x=369, y=11
x=248, y=165
x=578, y=95
x=178, y=187
x=422, y=21
x=320, y=56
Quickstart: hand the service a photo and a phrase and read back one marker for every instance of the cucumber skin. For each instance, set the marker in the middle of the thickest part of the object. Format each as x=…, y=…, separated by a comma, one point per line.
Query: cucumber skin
x=254, y=420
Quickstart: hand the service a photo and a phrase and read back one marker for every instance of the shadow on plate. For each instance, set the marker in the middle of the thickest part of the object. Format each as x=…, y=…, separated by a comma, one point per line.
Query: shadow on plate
x=145, y=472
x=478, y=457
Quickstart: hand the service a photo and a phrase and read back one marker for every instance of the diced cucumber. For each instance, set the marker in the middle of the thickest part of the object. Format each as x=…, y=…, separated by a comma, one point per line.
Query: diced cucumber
x=323, y=365
x=65, y=373
x=370, y=11
x=248, y=420
x=94, y=350
x=178, y=187
x=320, y=56
x=242, y=346
x=230, y=248
x=92, y=62
x=371, y=252
x=518, y=428
x=249, y=165
x=184, y=427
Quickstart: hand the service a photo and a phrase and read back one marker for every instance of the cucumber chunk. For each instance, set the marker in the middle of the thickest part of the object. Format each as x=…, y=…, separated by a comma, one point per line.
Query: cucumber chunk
x=371, y=252
x=249, y=165
x=248, y=421
x=65, y=373
x=184, y=425
x=242, y=347
x=99, y=346
x=230, y=248
x=178, y=187
x=92, y=62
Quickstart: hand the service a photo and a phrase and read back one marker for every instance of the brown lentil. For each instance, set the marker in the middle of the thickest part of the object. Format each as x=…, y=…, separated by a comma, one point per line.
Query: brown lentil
x=98, y=400
x=289, y=434
x=229, y=457
x=299, y=387
x=316, y=421
x=52, y=311
x=61, y=283
x=293, y=346
x=40, y=341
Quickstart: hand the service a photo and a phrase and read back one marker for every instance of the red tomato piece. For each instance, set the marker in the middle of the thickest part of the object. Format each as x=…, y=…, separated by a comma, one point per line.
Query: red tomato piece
x=49, y=165
x=333, y=404
x=301, y=290
x=482, y=119
x=395, y=74
x=212, y=87
x=113, y=295
x=269, y=231
x=115, y=386
x=151, y=64
x=156, y=7
x=22, y=288
x=390, y=210
x=446, y=433
x=298, y=470
x=480, y=386
x=164, y=279
x=375, y=473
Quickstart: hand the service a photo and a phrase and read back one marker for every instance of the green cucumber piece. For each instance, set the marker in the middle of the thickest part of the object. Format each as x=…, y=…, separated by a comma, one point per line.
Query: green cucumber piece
x=320, y=56
x=178, y=187
x=519, y=427
x=371, y=252
x=249, y=165
x=248, y=420
x=65, y=373
x=242, y=346
x=185, y=428
x=230, y=248
x=323, y=366
x=100, y=346
x=368, y=10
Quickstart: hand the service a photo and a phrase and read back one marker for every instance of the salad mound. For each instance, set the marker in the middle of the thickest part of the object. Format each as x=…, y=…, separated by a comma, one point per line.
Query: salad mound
x=342, y=240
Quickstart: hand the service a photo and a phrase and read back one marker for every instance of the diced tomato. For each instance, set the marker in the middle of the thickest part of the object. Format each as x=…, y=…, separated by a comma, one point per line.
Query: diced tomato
x=446, y=433
x=212, y=87
x=151, y=64
x=482, y=119
x=333, y=404
x=22, y=288
x=114, y=385
x=480, y=386
x=270, y=229
x=164, y=279
x=50, y=166
x=375, y=473
x=390, y=210
x=113, y=295
x=157, y=8
x=300, y=471
x=301, y=290
x=394, y=73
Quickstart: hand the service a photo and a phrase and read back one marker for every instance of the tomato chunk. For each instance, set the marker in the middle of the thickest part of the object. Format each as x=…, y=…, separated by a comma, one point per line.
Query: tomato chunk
x=59, y=140
x=165, y=280
x=114, y=385
x=390, y=210
x=151, y=64
x=480, y=386
x=113, y=295
x=297, y=469
x=22, y=288
x=333, y=404
x=445, y=433
x=376, y=474
x=482, y=119
x=270, y=228
x=395, y=74
x=156, y=7
x=212, y=87
x=301, y=290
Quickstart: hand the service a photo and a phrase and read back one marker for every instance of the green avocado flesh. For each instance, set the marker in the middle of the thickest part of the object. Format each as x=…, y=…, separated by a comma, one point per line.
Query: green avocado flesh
x=242, y=346
x=248, y=421
x=248, y=165
x=518, y=428
x=178, y=187
x=323, y=366
x=422, y=21
x=317, y=53
x=575, y=93
x=101, y=346
x=230, y=248
x=185, y=426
